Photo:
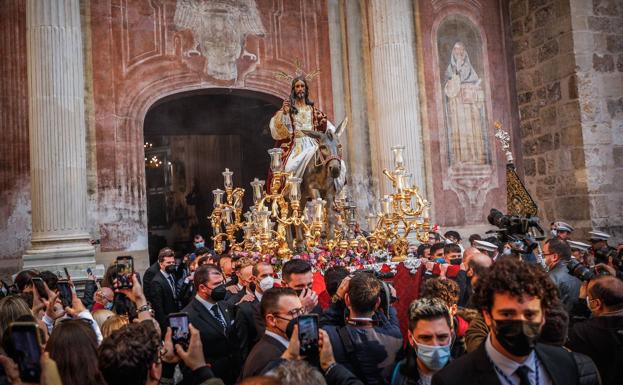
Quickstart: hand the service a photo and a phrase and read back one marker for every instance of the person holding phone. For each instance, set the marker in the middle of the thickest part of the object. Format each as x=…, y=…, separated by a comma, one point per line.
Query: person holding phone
x=280, y=308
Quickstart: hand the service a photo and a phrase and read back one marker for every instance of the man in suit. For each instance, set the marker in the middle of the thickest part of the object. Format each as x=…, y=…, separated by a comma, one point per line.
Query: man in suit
x=513, y=298
x=297, y=275
x=249, y=321
x=557, y=254
x=280, y=306
x=163, y=290
x=213, y=317
x=151, y=272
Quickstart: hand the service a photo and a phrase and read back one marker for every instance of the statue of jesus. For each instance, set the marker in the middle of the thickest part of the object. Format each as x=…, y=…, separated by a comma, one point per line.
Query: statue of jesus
x=298, y=113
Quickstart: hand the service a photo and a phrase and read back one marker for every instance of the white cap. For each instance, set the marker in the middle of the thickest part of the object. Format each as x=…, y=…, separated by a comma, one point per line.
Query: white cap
x=484, y=245
x=562, y=226
x=575, y=245
x=598, y=236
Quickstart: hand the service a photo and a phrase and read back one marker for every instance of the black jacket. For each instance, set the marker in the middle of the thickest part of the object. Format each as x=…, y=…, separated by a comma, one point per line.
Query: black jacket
x=148, y=277
x=476, y=368
x=249, y=325
x=601, y=338
x=266, y=350
x=162, y=300
x=220, y=346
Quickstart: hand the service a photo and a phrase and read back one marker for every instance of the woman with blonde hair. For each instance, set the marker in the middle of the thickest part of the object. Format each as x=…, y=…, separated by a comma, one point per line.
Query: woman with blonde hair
x=113, y=323
x=11, y=308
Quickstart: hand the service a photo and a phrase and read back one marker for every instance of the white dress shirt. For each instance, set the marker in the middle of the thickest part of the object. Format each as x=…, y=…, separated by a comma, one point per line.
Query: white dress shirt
x=279, y=338
x=505, y=367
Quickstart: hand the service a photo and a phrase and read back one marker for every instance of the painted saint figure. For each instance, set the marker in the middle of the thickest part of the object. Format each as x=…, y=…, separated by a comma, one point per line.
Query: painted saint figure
x=465, y=110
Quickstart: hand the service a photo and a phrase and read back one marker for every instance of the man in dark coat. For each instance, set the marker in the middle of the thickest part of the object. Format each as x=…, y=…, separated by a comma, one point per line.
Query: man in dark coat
x=163, y=295
x=513, y=298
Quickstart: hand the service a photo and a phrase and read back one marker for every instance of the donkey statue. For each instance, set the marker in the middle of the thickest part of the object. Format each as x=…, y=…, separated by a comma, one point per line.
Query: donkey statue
x=325, y=174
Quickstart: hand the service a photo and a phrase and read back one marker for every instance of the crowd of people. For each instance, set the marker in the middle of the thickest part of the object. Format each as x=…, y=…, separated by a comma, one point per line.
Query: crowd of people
x=485, y=313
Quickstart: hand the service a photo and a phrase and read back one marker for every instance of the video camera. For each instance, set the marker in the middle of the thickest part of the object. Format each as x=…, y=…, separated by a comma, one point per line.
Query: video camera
x=583, y=273
x=516, y=230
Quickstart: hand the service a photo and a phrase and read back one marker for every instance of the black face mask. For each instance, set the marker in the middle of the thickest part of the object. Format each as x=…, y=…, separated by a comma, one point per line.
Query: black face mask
x=218, y=293
x=252, y=287
x=518, y=337
x=171, y=269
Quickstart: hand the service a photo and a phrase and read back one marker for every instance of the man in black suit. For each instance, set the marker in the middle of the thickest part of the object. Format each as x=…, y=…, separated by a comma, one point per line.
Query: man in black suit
x=513, y=298
x=279, y=306
x=249, y=321
x=162, y=288
x=297, y=275
x=209, y=313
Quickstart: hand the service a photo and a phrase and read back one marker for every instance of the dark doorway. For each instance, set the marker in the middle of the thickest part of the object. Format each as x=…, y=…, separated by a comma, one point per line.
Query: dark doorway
x=190, y=138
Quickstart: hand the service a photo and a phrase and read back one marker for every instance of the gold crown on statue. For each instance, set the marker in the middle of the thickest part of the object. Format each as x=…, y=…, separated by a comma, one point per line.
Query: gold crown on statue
x=297, y=73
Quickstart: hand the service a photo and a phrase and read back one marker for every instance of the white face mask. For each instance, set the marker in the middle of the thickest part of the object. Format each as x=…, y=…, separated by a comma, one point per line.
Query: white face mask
x=267, y=283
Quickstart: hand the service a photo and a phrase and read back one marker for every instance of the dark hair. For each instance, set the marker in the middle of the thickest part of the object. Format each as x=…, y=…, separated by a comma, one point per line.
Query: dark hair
x=109, y=275
x=554, y=331
x=201, y=251
x=515, y=278
x=202, y=261
x=453, y=234
x=270, y=299
x=421, y=248
x=256, y=268
x=49, y=278
x=165, y=252
x=73, y=345
x=23, y=278
x=445, y=290
x=436, y=246
x=202, y=274
x=559, y=247
x=294, y=266
x=197, y=237
x=364, y=292
x=609, y=290
x=293, y=109
x=127, y=354
x=474, y=237
x=333, y=277
x=428, y=309
x=451, y=248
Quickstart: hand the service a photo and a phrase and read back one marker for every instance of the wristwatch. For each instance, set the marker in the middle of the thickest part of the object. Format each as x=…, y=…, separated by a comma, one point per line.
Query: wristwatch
x=146, y=307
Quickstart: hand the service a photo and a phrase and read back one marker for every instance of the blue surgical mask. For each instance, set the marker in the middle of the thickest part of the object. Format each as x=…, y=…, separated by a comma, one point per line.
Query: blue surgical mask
x=108, y=306
x=199, y=245
x=440, y=260
x=433, y=357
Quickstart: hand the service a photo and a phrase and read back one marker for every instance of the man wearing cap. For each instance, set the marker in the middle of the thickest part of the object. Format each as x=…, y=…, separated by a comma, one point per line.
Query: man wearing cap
x=562, y=230
x=579, y=251
x=600, y=249
x=487, y=248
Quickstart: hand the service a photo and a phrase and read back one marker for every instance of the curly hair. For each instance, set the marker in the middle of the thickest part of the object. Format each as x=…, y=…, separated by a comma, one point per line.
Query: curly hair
x=515, y=278
x=444, y=289
x=127, y=354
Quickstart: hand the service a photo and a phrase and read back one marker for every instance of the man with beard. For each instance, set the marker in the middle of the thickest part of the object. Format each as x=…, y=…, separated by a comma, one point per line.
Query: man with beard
x=513, y=298
x=298, y=113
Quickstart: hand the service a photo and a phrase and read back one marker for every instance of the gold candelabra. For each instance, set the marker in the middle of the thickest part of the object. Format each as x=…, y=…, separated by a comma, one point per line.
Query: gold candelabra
x=403, y=212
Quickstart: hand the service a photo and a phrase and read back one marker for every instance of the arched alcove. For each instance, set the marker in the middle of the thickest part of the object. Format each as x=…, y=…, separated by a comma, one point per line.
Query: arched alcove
x=190, y=138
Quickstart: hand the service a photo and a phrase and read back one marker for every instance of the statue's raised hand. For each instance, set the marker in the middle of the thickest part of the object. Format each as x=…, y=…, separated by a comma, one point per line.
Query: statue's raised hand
x=286, y=106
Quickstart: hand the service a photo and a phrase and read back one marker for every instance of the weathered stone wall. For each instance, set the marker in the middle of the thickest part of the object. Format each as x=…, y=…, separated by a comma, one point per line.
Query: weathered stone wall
x=568, y=87
x=598, y=46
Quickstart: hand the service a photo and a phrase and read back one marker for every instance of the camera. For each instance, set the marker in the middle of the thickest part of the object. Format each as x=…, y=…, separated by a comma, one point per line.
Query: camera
x=583, y=273
x=515, y=230
x=386, y=297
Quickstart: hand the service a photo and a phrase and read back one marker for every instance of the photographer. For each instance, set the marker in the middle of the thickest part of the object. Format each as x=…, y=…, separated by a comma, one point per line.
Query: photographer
x=601, y=337
x=369, y=343
x=557, y=255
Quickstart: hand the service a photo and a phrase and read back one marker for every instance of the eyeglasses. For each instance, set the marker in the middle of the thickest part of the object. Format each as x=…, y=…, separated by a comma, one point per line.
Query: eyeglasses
x=293, y=313
x=85, y=320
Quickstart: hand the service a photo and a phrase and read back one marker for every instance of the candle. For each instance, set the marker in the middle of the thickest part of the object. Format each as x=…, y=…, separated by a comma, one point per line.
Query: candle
x=275, y=159
x=227, y=178
x=295, y=188
x=218, y=197
x=398, y=157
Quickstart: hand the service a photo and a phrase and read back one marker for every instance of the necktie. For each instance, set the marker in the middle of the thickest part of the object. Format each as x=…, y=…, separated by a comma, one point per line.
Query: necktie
x=522, y=373
x=217, y=315
x=172, y=283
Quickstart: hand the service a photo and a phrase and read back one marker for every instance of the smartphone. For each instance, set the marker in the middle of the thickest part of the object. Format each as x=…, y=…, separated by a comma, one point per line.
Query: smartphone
x=38, y=284
x=125, y=270
x=25, y=350
x=179, y=328
x=309, y=337
x=64, y=291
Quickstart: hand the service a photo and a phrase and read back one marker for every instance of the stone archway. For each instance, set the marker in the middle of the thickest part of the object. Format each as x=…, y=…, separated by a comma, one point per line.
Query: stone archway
x=190, y=138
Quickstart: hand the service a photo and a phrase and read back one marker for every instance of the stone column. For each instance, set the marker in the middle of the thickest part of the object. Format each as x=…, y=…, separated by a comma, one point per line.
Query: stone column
x=395, y=89
x=57, y=137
